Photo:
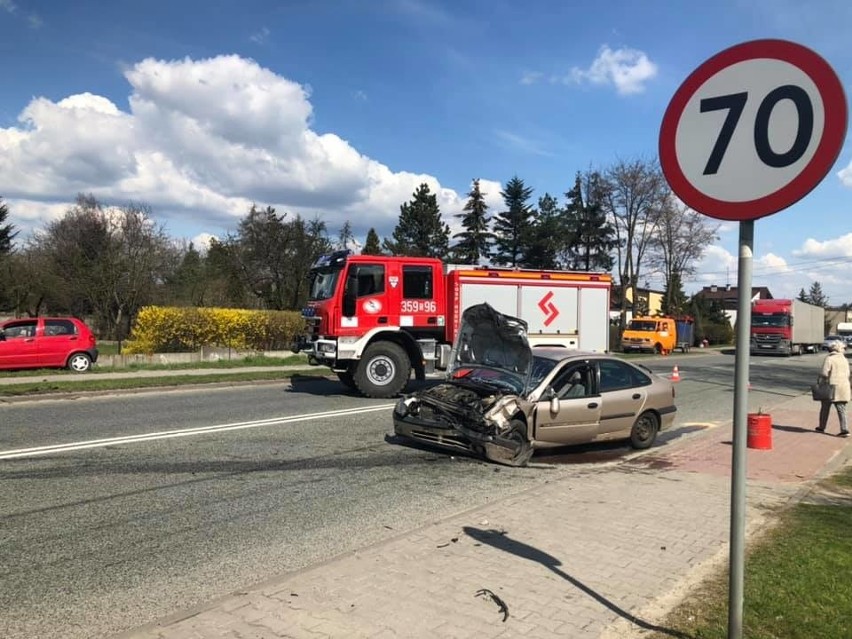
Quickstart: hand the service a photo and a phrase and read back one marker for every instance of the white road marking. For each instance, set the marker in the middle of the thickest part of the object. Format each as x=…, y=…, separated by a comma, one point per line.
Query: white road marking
x=186, y=432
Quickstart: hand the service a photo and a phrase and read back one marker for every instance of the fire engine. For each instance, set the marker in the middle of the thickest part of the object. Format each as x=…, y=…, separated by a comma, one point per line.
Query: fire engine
x=373, y=319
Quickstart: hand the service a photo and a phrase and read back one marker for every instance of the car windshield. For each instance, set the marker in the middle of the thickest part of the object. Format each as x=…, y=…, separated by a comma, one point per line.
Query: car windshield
x=489, y=376
x=540, y=369
x=638, y=325
x=490, y=340
x=322, y=283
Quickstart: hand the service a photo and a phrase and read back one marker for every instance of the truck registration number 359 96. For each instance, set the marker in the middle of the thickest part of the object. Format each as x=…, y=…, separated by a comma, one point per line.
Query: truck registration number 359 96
x=419, y=306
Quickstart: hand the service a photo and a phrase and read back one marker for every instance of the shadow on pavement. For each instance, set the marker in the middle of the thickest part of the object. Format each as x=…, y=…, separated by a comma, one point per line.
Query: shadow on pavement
x=501, y=541
x=792, y=429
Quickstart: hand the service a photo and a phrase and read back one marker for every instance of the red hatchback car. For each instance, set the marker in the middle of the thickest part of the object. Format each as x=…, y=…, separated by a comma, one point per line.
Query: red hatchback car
x=47, y=342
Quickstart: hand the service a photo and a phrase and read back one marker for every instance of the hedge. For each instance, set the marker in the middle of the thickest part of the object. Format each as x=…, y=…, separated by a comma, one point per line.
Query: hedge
x=168, y=329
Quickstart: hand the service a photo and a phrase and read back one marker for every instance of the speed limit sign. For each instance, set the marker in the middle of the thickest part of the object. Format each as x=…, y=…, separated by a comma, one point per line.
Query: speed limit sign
x=753, y=130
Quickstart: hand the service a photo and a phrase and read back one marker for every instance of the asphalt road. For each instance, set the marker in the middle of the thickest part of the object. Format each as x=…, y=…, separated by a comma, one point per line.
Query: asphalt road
x=152, y=502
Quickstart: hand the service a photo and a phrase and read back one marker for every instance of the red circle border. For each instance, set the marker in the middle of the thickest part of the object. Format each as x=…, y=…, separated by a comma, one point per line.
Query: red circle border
x=828, y=150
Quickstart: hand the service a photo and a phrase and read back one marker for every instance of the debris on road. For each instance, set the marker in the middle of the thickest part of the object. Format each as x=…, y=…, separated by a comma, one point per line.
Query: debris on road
x=500, y=603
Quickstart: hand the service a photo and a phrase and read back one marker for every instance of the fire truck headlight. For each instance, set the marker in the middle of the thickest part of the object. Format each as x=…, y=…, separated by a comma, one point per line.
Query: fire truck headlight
x=325, y=348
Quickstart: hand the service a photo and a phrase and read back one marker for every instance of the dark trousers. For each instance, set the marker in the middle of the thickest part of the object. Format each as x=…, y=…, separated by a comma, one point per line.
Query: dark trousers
x=825, y=408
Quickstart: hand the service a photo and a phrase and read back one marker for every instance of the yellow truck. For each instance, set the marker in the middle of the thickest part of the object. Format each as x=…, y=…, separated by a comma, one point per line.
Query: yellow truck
x=659, y=335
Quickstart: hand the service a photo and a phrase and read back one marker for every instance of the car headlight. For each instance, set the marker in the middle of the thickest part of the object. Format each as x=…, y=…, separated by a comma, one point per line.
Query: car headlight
x=406, y=406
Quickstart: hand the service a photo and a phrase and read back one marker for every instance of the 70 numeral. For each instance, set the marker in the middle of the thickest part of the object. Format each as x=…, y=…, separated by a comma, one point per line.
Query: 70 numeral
x=735, y=103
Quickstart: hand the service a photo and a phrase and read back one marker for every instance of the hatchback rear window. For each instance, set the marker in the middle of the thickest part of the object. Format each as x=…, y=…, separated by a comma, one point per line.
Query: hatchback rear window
x=57, y=327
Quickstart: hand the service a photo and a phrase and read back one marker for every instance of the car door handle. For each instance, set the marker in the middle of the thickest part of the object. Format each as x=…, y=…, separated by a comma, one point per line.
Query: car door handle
x=592, y=405
x=636, y=396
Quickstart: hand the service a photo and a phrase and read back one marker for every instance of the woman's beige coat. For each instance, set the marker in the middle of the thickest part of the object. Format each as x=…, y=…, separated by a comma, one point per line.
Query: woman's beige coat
x=835, y=368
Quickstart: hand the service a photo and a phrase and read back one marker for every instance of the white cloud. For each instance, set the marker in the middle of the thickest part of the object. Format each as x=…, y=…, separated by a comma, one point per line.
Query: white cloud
x=33, y=20
x=837, y=247
x=201, y=142
x=845, y=176
x=521, y=143
x=261, y=37
x=628, y=70
x=201, y=242
x=531, y=77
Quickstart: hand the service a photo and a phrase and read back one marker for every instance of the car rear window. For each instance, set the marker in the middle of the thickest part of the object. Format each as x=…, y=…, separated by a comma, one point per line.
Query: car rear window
x=57, y=327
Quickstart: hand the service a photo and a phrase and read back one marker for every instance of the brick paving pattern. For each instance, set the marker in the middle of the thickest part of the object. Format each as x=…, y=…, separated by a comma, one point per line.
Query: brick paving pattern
x=598, y=555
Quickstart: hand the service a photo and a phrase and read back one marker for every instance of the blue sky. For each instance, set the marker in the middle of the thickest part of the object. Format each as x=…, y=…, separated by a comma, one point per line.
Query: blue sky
x=339, y=108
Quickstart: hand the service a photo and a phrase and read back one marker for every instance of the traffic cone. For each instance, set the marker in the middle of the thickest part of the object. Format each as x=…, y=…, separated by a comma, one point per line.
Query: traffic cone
x=675, y=374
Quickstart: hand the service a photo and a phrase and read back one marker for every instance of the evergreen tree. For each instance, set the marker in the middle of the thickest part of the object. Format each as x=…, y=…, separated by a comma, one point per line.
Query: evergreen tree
x=345, y=237
x=816, y=296
x=544, y=235
x=371, y=245
x=589, y=238
x=512, y=226
x=675, y=301
x=420, y=231
x=474, y=244
x=803, y=297
x=7, y=231
x=7, y=234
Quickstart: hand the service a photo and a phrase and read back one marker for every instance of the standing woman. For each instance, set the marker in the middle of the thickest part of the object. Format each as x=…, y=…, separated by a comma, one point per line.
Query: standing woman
x=835, y=371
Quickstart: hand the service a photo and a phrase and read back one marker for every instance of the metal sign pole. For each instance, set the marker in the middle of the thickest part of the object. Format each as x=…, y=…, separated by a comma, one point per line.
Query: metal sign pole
x=738, y=466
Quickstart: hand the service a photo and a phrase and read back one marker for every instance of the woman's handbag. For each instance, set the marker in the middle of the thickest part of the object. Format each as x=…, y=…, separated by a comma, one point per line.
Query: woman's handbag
x=822, y=391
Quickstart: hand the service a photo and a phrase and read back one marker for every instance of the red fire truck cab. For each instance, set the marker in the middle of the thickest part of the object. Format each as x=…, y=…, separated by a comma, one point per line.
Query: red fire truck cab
x=373, y=319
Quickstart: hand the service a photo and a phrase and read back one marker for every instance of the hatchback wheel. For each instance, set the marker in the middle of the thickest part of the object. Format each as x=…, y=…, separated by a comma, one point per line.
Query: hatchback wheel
x=79, y=362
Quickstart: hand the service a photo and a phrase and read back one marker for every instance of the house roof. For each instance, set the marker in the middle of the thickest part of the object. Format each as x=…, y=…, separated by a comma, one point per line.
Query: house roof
x=729, y=294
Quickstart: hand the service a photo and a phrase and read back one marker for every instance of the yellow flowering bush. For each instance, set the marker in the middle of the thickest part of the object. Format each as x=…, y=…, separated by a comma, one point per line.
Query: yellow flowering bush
x=163, y=329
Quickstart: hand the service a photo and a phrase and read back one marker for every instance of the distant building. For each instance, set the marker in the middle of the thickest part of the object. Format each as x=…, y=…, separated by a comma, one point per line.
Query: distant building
x=727, y=297
x=835, y=315
x=649, y=301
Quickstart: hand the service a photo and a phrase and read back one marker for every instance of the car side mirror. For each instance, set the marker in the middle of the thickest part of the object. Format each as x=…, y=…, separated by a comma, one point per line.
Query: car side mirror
x=554, y=405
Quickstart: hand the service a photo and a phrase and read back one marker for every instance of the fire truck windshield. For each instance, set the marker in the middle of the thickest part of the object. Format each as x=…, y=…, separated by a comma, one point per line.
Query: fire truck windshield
x=776, y=320
x=323, y=282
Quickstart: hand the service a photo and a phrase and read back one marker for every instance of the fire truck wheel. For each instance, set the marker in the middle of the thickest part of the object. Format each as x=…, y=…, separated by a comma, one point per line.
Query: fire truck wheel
x=347, y=379
x=383, y=371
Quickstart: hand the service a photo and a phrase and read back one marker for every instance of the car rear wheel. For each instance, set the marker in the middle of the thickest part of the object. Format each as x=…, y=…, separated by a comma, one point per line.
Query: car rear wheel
x=79, y=362
x=383, y=371
x=644, y=431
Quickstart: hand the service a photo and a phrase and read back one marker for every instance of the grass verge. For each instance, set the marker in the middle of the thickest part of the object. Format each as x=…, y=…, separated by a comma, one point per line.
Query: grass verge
x=258, y=360
x=797, y=579
x=124, y=383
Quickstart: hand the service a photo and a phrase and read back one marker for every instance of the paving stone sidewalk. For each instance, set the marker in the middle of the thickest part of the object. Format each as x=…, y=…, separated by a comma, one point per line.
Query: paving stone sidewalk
x=603, y=554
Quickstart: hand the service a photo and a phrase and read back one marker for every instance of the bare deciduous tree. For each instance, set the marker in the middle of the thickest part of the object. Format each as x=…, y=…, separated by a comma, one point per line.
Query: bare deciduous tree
x=680, y=241
x=103, y=261
x=632, y=195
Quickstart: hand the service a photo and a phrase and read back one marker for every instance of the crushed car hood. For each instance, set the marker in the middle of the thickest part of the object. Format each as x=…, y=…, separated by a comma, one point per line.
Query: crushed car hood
x=491, y=339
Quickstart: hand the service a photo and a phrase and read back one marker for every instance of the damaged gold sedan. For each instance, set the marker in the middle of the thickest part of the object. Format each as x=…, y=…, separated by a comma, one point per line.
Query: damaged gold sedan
x=503, y=399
